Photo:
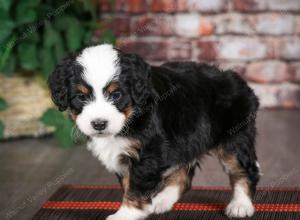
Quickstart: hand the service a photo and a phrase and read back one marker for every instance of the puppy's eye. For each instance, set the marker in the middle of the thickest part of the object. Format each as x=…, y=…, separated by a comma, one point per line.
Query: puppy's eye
x=115, y=96
x=81, y=96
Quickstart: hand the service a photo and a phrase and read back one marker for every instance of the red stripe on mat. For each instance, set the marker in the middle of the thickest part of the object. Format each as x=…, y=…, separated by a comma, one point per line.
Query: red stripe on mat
x=193, y=188
x=176, y=207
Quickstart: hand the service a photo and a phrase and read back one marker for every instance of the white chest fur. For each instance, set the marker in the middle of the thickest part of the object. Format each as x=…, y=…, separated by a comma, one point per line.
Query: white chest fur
x=108, y=150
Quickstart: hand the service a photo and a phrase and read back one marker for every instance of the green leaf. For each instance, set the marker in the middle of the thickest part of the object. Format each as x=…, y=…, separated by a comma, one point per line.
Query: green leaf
x=6, y=50
x=4, y=15
x=2, y=127
x=27, y=54
x=5, y=4
x=90, y=7
x=48, y=61
x=25, y=12
x=59, y=50
x=63, y=126
x=33, y=3
x=53, y=117
x=6, y=29
x=51, y=36
x=9, y=66
x=3, y=104
x=74, y=35
x=88, y=38
x=25, y=18
x=108, y=37
x=62, y=22
x=64, y=133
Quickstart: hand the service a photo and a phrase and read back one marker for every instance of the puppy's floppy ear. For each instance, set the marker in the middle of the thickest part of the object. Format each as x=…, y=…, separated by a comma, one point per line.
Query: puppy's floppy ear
x=137, y=75
x=59, y=81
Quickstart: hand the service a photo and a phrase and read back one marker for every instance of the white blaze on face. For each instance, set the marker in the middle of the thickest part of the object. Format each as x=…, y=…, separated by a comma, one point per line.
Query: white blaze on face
x=100, y=65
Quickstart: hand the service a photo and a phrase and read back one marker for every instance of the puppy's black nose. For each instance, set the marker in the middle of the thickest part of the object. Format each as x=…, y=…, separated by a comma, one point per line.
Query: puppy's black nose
x=99, y=124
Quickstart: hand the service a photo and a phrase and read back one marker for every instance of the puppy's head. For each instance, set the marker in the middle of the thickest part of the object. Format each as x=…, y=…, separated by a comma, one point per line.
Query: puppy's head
x=102, y=87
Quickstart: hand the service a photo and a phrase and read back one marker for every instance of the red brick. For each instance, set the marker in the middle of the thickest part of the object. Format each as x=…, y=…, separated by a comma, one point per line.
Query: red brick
x=179, y=49
x=137, y=6
x=105, y=5
x=284, y=5
x=267, y=72
x=108, y=5
x=273, y=47
x=238, y=67
x=206, y=27
x=192, y=25
x=290, y=48
x=297, y=29
x=164, y=6
x=182, y=6
x=277, y=96
x=250, y=5
x=149, y=50
x=119, y=25
x=208, y=50
x=289, y=96
x=267, y=94
x=187, y=25
x=241, y=48
x=203, y=5
x=153, y=25
x=274, y=24
x=295, y=72
x=234, y=24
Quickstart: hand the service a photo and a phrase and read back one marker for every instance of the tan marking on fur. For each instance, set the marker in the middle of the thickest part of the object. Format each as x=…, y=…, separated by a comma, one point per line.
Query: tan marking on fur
x=132, y=152
x=125, y=183
x=73, y=116
x=244, y=183
x=134, y=147
x=128, y=111
x=112, y=87
x=83, y=89
x=181, y=178
x=236, y=173
x=130, y=201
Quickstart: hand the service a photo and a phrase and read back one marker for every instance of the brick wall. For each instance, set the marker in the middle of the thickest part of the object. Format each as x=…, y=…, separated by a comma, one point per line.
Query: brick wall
x=260, y=39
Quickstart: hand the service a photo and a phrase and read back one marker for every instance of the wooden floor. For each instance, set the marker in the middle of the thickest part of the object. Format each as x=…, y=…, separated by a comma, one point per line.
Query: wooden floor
x=31, y=169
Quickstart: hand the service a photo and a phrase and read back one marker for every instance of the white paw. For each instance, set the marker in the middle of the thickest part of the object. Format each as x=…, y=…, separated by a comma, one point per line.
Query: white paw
x=162, y=206
x=118, y=217
x=165, y=200
x=239, y=209
x=126, y=213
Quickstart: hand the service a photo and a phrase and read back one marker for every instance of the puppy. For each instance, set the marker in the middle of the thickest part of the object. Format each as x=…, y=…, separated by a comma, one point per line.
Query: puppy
x=150, y=125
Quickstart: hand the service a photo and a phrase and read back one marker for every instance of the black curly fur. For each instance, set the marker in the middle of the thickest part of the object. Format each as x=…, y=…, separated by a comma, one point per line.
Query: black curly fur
x=206, y=108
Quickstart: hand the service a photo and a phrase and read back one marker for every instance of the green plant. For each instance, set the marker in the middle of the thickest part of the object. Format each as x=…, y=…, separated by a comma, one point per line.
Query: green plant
x=36, y=34
x=3, y=106
x=62, y=125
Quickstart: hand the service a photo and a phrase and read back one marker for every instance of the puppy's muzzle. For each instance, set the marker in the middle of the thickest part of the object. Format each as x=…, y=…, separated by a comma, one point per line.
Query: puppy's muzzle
x=99, y=124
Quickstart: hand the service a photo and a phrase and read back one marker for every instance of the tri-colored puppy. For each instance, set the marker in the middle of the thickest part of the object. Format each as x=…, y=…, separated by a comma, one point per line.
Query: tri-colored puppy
x=151, y=124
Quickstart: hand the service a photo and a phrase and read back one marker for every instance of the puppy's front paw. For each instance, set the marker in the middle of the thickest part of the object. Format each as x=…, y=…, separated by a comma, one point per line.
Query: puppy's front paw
x=111, y=217
x=239, y=209
x=126, y=213
x=165, y=200
x=118, y=217
x=162, y=206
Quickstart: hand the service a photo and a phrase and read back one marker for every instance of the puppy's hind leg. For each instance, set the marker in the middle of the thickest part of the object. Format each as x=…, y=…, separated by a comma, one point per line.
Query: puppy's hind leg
x=241, y=165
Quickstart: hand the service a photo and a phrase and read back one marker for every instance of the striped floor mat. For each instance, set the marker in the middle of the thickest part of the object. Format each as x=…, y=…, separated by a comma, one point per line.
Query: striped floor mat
x=78, y=202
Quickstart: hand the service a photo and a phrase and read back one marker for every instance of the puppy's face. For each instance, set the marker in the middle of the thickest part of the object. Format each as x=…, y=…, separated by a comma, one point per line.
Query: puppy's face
x=102, y=87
